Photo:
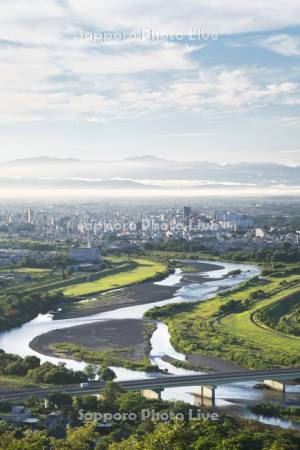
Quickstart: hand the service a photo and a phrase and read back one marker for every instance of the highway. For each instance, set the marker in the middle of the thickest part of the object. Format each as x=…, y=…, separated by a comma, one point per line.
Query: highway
x=160, y=383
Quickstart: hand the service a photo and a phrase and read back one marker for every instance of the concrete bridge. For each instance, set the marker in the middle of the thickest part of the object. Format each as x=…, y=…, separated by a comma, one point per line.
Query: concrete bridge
x=207, y=383
x=154, y=386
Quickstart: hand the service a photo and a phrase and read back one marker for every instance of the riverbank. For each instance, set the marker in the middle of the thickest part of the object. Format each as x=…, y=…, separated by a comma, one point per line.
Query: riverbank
x=115, y=338
x=138, y=294
x=211, y=363
x=128, y=340
x=197, y=271
x=224, y=326
x=140, y=270
x=203, y=363
x=113, y=342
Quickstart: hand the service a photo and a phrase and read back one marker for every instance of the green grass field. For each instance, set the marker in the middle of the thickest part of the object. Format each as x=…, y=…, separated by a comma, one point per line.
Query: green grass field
x=243, y=325
x=16, y=382
x=225, y=327
x=142, y=270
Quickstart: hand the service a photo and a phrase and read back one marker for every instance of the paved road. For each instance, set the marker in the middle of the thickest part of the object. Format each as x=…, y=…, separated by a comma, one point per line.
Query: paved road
x=215, y=379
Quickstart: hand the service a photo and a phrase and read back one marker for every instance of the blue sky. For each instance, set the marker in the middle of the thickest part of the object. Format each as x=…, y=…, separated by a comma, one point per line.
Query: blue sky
x=229, y=98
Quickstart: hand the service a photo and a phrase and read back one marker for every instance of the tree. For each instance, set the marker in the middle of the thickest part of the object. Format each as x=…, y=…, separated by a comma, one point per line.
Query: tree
x=60, y=399
x=131, y=401
x=106, y=374
x=88, y=403
x=31, y=362
x=110, y=396
x=31, y=440
x=283, y=445
x=91, y=371
x=82, y=438
x=174, y=436
x=52, y=374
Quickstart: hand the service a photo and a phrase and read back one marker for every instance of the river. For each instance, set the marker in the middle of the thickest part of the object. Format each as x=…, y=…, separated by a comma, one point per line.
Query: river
x=231, y=398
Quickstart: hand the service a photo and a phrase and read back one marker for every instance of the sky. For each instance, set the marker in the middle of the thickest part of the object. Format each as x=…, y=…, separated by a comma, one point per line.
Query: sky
x=176, y=79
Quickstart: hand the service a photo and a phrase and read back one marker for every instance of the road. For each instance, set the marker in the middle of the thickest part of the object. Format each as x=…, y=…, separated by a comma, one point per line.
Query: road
x=162, y=382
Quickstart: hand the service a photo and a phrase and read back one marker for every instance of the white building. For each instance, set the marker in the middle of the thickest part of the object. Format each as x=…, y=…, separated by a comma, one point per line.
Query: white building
x=85, y=255
x=260, y=233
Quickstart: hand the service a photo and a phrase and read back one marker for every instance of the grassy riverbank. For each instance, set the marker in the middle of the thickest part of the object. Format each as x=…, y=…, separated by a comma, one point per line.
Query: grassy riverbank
x=225, y=326
x=45, y=290
x=117, y=357
x=140, y=270
x=281, y=316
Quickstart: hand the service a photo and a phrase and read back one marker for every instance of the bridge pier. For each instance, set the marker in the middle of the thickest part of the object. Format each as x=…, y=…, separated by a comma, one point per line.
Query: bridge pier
x=152, y=394
x=206, y=396
x=275, y=385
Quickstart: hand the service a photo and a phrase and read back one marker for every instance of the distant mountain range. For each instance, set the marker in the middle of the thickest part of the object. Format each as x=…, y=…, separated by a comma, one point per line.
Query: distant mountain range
x=141, y=172
x=36, y=183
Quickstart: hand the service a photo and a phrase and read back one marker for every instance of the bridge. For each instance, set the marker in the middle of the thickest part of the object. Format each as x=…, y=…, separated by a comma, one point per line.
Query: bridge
x=152, y=387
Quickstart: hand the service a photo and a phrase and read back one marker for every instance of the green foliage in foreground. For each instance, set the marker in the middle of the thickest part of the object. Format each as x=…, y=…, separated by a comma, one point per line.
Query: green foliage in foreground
x=201, y=435
x=31, y=370
x=82, y=438
x=221, y=434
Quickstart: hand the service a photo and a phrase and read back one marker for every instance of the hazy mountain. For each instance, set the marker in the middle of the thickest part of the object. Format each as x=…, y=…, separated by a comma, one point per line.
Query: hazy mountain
x=126, y=173
x=35, y=183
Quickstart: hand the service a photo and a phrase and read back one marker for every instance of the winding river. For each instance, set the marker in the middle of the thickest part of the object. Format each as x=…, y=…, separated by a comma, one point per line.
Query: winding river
x=231, y=398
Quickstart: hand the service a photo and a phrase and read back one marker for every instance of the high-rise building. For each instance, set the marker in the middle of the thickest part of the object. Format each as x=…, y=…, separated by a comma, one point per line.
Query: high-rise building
x=30, y=216
x=90, y=238
x=187, y=210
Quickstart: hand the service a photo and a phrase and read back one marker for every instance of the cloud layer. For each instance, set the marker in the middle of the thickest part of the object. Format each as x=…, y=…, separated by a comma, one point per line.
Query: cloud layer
x=50, y=73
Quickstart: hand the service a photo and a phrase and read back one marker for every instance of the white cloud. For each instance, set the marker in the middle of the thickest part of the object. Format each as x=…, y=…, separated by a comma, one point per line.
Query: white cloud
x=46, y=21
x=236, y=16
x=289, y=121
x=293, y=101
x=48, y=73
x=162, y=57
x=218, y=90
x=33, y=21
x=188, y=135
x=283, y=44
x=289, y=151
x=229, y=89
x=18, y=10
